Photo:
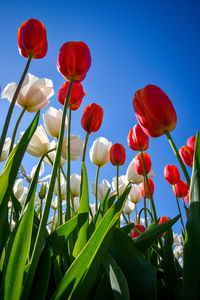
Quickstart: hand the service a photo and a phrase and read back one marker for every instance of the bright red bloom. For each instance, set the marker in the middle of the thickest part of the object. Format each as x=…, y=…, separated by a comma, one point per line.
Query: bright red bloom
x=180, y=189
x=134, y=233
x=191, y=142
x=141, y=186
x=117, y=155
x=187, y=198
x=76, y=95
x=32, y=39
x=187, y=154
x=137, y=139
x=74, y=59
x=139, y=165
x=171, y=174
x=92, y=118
x=154, y=111
x=163, y=220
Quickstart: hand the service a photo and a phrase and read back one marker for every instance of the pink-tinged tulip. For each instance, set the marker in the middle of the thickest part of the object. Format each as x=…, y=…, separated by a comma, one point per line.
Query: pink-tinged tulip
x=187, y=153
x=32, y=39
x=191, y=142
x=171, y=174
x=151, y=184
x=180, y=189
x=139, y=165
x=74, y=60
x=134, y=233
x=76, y=95
x=187, y=198
x=117, y=155
x=92, y=118
x=163, y=220
x=137, y=139
x=154, y=111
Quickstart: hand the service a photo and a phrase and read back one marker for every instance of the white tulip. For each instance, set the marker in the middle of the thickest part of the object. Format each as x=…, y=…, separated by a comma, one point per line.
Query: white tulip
x=122, y=182
x=62, y=187
x=52, y=121
x=133, y=176
x=52, y=155
x=100, y=152
x=135, y=194
x=5, y=150
x=128, y=207
x=75, y=182
x=101, y=189
x=18, y=188
x=76, y=203
x=76, y=147
x=34, y=94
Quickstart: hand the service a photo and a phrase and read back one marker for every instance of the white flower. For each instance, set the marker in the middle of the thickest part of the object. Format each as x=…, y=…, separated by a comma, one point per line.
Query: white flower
x=101, y=189
x=180, y=260
x=62, y=187
x=122, y=182
x=133, y=176
x=178, y=251
x=128, y=207
x=75, y=181
x=34, y=94
x=52, y=155
x=39, y=143
x=135, y=194
x=5, y=150
x=76, y=147
x=100, y=152
x=54, y=203
x=76, y=203
x=34, y=170
x=18, y=188
x=52, y=121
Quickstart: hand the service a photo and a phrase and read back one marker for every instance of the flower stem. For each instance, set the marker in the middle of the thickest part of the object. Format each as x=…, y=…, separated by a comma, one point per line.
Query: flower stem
x=67, y=214
x=15, y=129
x=179, y=211
x=117, y=182
x=186, y=213
x=11, y=107
x=85, y=146
x=135, y=213
x=178, y=157
x=59, y=199
x=96, y=189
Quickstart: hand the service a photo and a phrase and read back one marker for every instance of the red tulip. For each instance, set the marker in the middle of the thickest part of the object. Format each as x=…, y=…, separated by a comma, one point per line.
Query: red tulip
x=134, y=233
x=180, y=189
x=92, y=118
x=137, y=139
x=76, y=95
x=187, y=153
x=163, y=220
x=154, y=111
x=74, y=59
x=191, y=142
x=32, y=39
x=171, y=174
x=187, y=198
x=141, y=186
x=117, y=155
x=139, y=165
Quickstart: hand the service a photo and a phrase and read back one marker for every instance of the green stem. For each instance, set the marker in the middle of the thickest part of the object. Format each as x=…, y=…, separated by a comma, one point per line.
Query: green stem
x=15, y=129
x=135, y=213
x=11, y=107
x=72, y=202
x=179, y=211
x=126, y=220
x=59, y=199
x=54, y=215
x=145, y=204
x=96, y=189
x=117, y=182
x=186, y=213
x=142, y=211
x=67, y=214
x=85, y=146
x=11, y=215
x=178, y=157
x=41, y=202
x=52, y=163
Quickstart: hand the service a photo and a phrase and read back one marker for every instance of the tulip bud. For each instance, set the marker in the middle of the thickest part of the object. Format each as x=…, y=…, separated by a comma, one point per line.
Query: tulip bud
x=151, y=184
x=139, y=227
x=180, y=189
x=100, y=152
x=154, y=111
x=187, y=153
x=117, y=155
x=75, y=181
x=137, y=139
x=42, y=192
x=76, y=95
x=191, y=142
x=135, y=194
x=92, y=118
x=171, y=174
x=74, y=60
x=139, y=164
x=32, y=39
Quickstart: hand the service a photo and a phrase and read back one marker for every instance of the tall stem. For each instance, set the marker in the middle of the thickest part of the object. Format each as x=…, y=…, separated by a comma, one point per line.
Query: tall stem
x=67, y=214
x=135, y=213
x=186, y=213
x=117, y=182
x=96, y=189
x=59, y=199
x=179, y=211
x=178, y=157
x=11, y=107
x=85, y=146
x=145, y=205
x=15, y=129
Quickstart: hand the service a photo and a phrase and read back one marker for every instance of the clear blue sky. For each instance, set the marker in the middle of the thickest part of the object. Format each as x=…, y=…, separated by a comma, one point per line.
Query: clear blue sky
x=132, y=43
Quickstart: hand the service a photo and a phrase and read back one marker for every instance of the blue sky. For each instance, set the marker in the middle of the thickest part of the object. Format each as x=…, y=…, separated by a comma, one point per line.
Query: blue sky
x=132, y=44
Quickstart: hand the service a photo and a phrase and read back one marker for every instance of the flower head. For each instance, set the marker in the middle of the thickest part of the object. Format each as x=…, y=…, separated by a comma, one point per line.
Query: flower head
x=135, y=194
x=140, y=228
x=92, y=118
x=132, y=174
x=139, y=164
x=100, y=152
x=122, y=183
x=191, y=142
x=76, y=95
x=52, y=121
x=171, y=174
x=101, y=189
x=180, y=189
x=75, y=182
x=128, y=207
x=5, y=150
x=187, y=154
x=117, y=155
x=76, y=147
x=137, y=139
x=145, y=191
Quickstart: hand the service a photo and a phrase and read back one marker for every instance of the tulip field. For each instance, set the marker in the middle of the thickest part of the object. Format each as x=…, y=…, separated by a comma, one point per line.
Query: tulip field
x=56, y=244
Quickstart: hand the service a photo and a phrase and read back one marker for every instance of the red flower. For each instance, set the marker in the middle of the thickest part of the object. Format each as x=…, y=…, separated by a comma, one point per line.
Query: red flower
x=191, y=142
x=171, y=174
x=137, y=139
x=32, y=39
x=187, y=198
x=154, y=111
x=117, y=155
x=76, y=95
x=163, y=220
x=187, y=153
x=141, y=186
x=74, y=59
x=139, y=165
x=180, y=189
x=92, y=118
x=134, y=233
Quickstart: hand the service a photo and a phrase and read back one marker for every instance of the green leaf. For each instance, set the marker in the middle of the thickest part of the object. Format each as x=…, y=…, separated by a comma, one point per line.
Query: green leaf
x=191, y=274
x=17, y=207
x=128, y=228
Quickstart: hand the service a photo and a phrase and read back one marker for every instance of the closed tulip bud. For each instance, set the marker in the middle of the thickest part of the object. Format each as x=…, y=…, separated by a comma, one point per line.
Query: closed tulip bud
x=42, y=192
x=100, y=152
x=171, y=174
x=74, y=60
x=137, y=139
x=151, y=184
x=52, y=121
x=32, y=39
x=117, y=155
x=187, y=153
x=92, y=118
x=191, y=142
x=75, y=181
x=180, y=189
x=76, y=95
x=139, y=165
x=140, y=228
x=154, y=111
x=135, y=194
